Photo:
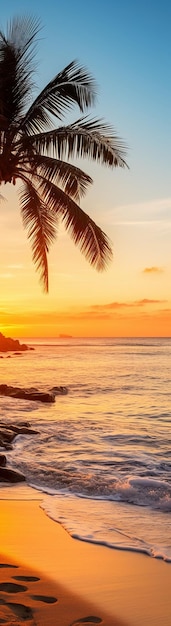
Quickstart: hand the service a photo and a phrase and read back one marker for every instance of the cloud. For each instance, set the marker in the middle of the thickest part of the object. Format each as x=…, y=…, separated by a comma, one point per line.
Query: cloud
x=110, y=305
x=15, y=266
x=123, y=305
x=40, y=322
x=150, y=212
x=153, y=270
x=6, y=275
x=147, y=301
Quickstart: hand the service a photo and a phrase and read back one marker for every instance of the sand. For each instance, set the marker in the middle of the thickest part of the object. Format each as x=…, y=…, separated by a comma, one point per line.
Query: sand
x=60, y=581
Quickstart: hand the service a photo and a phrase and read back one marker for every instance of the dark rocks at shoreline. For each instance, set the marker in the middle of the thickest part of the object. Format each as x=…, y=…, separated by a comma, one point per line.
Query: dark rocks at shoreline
x=59, y=391
x=26, y=394
x=12, y=345
x=2, y=460
x=32, y=393
x=8, y=432
x=10, y=476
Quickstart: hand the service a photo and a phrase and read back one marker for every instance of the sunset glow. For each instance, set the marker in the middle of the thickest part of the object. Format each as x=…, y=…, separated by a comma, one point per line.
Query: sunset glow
x=132, y=297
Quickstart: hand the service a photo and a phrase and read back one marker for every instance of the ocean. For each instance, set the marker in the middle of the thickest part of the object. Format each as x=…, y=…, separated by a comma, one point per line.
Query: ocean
x=102, y=455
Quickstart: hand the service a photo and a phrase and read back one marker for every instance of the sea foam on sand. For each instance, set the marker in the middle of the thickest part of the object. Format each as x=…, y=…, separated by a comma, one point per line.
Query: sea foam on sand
x=109, y=585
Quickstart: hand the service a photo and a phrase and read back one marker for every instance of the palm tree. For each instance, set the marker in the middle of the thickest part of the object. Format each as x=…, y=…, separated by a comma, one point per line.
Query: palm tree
x=33, y=150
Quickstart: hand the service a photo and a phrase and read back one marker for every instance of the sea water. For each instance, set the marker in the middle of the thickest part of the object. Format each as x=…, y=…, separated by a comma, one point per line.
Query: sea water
x=102, y=455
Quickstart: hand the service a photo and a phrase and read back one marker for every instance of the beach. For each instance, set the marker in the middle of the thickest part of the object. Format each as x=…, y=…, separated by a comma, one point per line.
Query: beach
x=79, y=583
x=88, y=527
x=85, y=315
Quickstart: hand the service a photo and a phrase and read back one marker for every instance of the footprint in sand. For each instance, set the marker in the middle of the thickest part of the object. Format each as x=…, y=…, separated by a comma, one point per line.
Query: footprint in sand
x=90, y=619
x=29, y=579
x=14, y=610
x=12, y=587
x=20, y=610
x=46, y=599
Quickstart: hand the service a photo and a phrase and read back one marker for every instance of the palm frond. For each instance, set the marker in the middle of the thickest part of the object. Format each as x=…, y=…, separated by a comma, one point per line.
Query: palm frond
x=91, y=240
x=52, y=187
x=22, y=33
x=16, y=67
x=74, y=85
x=71, y=178
x=87, y=138
x=41, y=226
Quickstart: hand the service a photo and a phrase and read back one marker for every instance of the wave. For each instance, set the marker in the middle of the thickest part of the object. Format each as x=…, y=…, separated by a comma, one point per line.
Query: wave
x=101, y=523
x=115, y=342
x=138, y=491
x=148, y=551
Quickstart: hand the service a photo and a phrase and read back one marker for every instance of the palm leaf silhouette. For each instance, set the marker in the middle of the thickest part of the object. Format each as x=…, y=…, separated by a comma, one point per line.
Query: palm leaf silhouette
x=39, y=154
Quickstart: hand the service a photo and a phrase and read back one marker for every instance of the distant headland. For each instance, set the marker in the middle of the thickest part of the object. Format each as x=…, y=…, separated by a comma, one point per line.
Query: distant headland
x=12, y=345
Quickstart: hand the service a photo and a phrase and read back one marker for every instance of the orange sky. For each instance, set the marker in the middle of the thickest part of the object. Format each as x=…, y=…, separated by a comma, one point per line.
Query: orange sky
x=132, y=298
x=133, y=206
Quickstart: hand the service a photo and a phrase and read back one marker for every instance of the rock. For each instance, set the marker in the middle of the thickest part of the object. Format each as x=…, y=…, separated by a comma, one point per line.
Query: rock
x=11, y=345
x=7, y=435
x=24, y=428
x=2, y=460
x=8, y=432
x=59, y=391
x=26, y=394
x=11, y=476
x=5, y=444
x=40, y=396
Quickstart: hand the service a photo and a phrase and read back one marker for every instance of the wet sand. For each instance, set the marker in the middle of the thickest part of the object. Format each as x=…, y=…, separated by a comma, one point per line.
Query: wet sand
x=28, y=597
x=60, y=581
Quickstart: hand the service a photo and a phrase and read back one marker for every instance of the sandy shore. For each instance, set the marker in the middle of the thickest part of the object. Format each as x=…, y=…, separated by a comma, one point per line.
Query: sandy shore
x=60, y=581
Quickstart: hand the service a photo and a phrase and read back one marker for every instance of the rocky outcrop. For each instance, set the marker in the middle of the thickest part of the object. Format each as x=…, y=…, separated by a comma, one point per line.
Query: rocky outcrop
x=32, y=393
x=2, y=460
x=26, y=394
x=59, y=391
x=10, y=476
x=8, y=432
x=12, y=345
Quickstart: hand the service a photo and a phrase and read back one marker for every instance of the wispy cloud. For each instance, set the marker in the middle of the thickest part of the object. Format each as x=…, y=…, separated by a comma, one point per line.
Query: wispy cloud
x=155, y=211
x=15, y=266
x=6, y=275
x=110, y=305
x=94, y=312
x=153, y=270
x=148, y=301
x=123, y=305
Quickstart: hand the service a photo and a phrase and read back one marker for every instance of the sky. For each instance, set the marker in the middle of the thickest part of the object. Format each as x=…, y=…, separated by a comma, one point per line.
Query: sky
x=127, y=48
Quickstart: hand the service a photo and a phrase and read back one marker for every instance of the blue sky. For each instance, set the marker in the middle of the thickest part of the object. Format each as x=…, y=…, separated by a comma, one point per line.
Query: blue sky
x=127, y=47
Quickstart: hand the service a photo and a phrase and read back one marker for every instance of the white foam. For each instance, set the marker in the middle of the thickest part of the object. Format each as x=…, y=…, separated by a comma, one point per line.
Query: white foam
x=106, y=523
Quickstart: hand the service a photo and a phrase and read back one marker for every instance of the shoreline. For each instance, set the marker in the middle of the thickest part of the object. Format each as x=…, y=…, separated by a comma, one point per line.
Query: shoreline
x=121, y=588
